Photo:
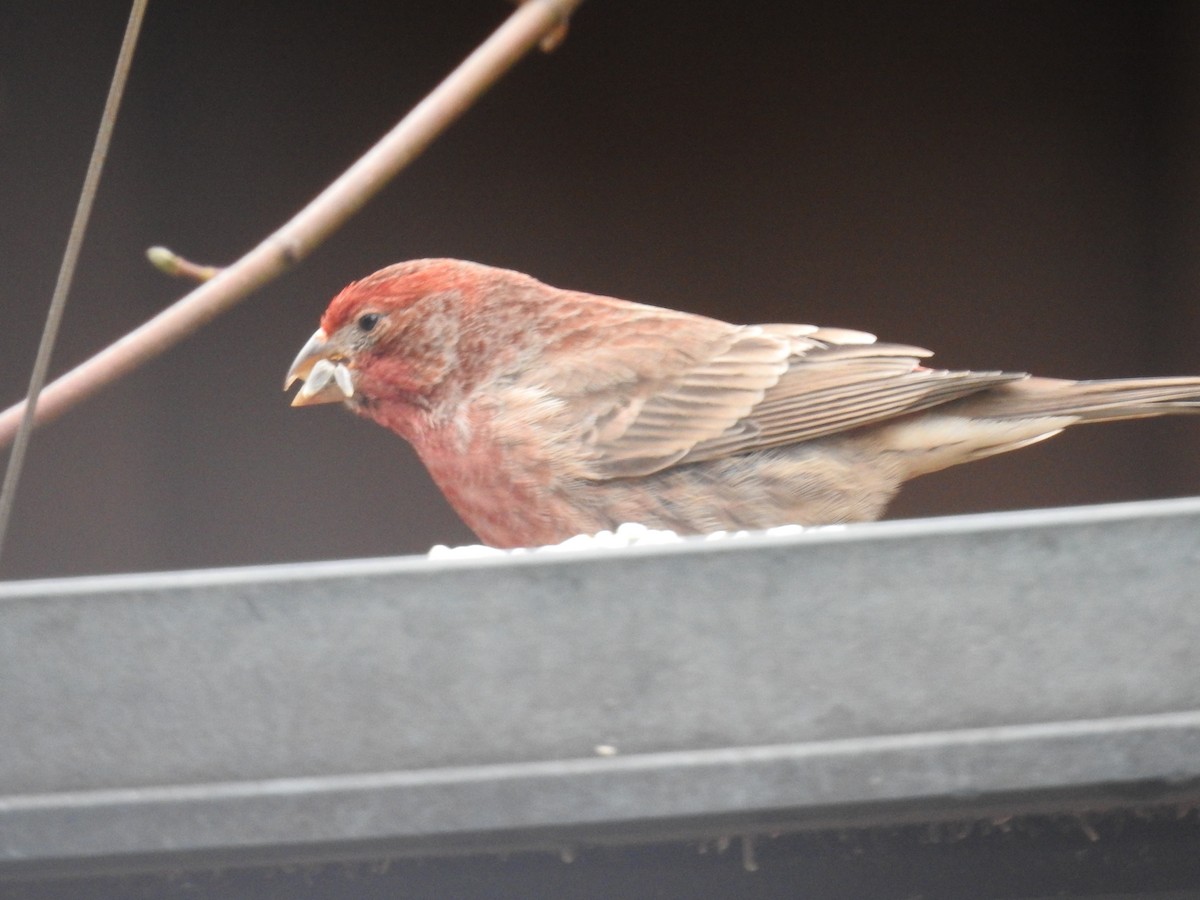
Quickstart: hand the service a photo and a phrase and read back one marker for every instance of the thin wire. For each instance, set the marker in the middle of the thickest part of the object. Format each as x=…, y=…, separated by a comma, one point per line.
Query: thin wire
x=66, y=272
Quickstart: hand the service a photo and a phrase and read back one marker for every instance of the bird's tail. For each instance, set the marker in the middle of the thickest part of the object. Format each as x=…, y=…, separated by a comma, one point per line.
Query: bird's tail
x=1015, y=414
x=1086, y=401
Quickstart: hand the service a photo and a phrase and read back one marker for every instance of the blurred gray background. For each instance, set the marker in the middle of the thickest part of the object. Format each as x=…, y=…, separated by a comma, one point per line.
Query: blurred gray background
x=1013, y=184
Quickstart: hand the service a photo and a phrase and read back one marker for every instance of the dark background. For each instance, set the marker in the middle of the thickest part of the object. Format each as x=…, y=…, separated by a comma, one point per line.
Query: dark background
x=1015, y=185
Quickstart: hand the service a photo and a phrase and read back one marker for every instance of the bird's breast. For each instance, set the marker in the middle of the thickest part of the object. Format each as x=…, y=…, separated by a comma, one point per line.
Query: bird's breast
x=501, y=484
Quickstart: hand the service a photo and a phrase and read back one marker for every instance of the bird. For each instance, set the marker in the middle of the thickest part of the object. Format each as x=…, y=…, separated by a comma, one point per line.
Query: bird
x=543, y=413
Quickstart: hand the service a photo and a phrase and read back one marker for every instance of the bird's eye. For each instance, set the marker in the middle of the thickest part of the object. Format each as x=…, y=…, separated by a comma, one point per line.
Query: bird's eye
x=368, y=321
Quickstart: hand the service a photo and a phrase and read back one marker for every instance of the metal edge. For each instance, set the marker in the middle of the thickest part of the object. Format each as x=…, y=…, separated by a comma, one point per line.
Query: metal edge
x=1135, y=760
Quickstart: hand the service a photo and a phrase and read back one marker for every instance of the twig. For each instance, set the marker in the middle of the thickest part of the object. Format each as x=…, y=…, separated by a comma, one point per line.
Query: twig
x=24, y=416
x=297, y=238
x=171, y=263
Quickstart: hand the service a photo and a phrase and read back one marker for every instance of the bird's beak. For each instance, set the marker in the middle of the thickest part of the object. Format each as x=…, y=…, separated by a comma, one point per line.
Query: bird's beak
x=326, y=377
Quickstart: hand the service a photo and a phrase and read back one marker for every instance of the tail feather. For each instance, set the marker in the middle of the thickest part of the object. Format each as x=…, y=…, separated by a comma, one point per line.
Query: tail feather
x=1088, y=401
x=1018, y=413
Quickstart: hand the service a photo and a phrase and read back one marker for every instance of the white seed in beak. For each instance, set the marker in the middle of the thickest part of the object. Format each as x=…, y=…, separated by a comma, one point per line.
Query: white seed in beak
x=341, y=375
x=327, y=382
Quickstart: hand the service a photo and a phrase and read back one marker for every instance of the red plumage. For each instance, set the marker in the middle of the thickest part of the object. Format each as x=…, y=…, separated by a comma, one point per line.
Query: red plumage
x=544, y=413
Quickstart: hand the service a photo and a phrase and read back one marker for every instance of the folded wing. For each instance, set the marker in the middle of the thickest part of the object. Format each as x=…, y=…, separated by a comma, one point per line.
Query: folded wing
x=763, y=386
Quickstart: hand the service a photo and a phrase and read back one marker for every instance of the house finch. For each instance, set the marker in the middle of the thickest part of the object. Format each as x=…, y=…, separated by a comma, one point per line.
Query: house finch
x=544, y=413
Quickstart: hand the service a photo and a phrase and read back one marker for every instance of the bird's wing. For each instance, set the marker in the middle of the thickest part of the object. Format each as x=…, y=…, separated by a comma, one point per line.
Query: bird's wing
x=763, y=386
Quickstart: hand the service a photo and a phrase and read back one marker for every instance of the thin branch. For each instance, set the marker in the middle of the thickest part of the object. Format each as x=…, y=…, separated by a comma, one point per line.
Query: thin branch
x=25, y=415
x=528, y=25
x=171, y=263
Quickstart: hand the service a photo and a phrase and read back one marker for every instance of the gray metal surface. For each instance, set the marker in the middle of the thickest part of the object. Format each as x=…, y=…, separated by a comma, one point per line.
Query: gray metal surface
x=414, y=703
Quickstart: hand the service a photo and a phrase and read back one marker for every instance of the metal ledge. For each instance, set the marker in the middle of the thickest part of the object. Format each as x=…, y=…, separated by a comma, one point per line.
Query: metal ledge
x=905, y=669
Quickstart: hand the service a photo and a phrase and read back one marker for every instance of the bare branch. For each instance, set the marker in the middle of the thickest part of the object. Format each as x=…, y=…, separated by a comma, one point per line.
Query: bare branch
x=524, y=29
x=171, y=263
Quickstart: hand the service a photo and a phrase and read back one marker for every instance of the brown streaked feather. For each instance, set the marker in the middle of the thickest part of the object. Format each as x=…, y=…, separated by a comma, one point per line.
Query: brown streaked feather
x=1103, y=400
x=660, y=420
x=767, y=386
